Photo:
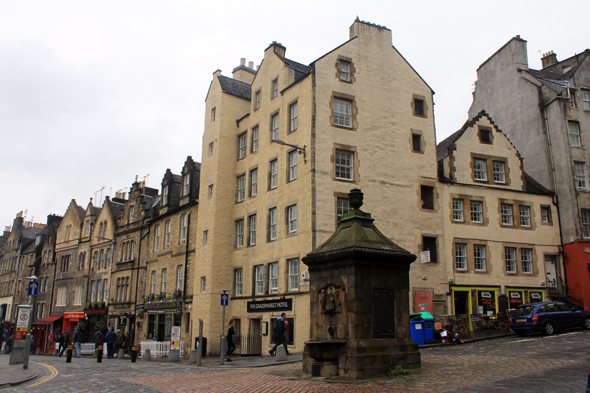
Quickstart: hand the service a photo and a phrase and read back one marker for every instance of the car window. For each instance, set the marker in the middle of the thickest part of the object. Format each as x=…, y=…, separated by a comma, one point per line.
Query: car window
x=564, y=307
x=526, y=310
x=552, y=307
x=542, y=309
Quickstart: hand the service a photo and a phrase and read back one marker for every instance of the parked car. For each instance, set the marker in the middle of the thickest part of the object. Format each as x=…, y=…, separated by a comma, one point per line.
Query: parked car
x=547, y=317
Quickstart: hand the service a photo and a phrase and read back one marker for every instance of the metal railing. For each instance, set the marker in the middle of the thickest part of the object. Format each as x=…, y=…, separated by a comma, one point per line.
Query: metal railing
x=159, y=348
x=251, y=345
x=557, y=288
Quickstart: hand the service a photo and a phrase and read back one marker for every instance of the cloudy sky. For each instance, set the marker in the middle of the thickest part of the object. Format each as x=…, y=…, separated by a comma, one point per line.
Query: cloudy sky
x=93, y=93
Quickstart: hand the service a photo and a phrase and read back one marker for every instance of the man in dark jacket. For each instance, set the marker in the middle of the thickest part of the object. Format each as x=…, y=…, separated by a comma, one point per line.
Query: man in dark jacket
x=278, y=333
x=78, y=340
x=65, y=342
x=98, y=338
x=110, y=338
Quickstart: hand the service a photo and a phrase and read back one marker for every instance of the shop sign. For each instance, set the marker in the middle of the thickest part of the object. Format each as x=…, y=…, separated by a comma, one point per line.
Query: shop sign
x=515, y=298
x=175, y=338
x=270, y=305
x=486, y=295
x=74, y=315
x=535, y=296
x=95, y=312
x=162, y=305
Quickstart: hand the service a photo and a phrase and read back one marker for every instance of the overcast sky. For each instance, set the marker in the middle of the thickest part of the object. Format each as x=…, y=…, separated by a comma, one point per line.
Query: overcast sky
x=93, y=93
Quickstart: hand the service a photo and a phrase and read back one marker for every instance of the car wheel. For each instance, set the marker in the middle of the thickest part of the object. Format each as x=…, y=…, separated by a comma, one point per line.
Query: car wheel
x=548, y=328
x=586, y=323
x=521, y=333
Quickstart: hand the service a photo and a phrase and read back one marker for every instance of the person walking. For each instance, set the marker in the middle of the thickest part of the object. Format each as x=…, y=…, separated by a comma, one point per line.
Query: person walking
x=118, y=343
x=124, y=345
x=8, y=346
x=231, y=345
x=278, y=333
x=78, y=340
x=65, y=341
x=32, y=349
x=110, y=339
x=98, y=339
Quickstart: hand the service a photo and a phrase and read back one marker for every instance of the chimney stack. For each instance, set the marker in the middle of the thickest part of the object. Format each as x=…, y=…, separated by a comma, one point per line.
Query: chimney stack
x=251, y=65
x=549, y=59
x=243, y=61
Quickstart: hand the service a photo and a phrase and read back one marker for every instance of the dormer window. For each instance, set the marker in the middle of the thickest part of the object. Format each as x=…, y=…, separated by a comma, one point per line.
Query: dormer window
x=165, y=195
x=186, y=182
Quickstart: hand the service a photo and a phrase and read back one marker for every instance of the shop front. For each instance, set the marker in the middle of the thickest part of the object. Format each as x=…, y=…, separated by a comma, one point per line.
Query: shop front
x=160, y=316
x=475, y=307
x=46, y=329
x=262, y=317
x=518, y=296
x=71, y=320
x=95, y=319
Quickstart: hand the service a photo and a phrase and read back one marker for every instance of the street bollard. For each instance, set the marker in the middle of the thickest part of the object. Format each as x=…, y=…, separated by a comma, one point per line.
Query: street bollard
x=69, y=353
x=99, y=354
x=133, y=354
x=147, y=355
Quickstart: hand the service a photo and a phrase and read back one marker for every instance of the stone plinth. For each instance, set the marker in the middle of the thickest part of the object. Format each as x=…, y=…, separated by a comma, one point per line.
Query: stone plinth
x=359, y=301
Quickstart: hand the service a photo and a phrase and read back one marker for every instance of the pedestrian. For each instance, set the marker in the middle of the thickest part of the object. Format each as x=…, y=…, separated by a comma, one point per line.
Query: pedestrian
x=278, y=334
x=98, y=339
x=124, y=345
x=118, y=343
x=110, y=339
x=65, y=341
x=78, y=340
x=8, y=346
x=32, y=348
x=231, y=345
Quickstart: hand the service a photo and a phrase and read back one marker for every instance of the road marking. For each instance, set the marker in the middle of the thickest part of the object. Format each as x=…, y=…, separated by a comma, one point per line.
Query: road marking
x=53, y=375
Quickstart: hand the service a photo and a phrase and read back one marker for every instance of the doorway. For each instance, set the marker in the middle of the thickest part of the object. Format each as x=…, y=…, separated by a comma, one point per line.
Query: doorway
x=161, y=327
x=461, y=304
x=550, y=270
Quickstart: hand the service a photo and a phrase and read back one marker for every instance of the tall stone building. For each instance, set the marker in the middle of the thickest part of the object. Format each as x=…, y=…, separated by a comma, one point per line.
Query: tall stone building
x=171, y=258
x=546, y=115
x=282, y=147
x=501, y=226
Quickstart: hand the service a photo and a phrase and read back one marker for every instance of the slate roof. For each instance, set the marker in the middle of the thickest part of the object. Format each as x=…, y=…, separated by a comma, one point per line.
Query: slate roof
x=117, y=209
x=442, y=149
x=235, y=87
x=534, y=187
x=32, y=232
x=301, y=70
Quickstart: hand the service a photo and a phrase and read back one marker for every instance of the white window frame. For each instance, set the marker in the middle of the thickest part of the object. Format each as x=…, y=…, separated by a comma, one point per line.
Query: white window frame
x=344, y=71
x=342, y=113
x=585, y=219
x=479, y=169
x=243, y=143
x=254, y=182
x=164, y=280
x=273, y=278
x=476, y=211
x=180, y=278
x=211, y=149
x=272, y=224
x=344, y=165
x=585, y=99
x=342, y=207
x=460, y=256
x=292, y=219
x=580, y=175
x=479, y=257
x=183, y=225
x=457, y=210
x=257, y=100
x=275, y=88
x=506, y=212
x=293, y=113
x=274, y=126
x=510, y=259
x=274, y=174
x=186, y=184
x=93, y=286
x=526, y=255
x=168, y=225
x=574, y=133
x=165, y=195
x=524, y=215
x=259, y=279
x=154, y=274
x=499, y=172
x=241, y=188
x=252, y=224
x=205, y=238
x=157, y=238
x=240, y=233
x=293, y=266
x=255, y=139
x=545, y=214
x=293, y=165
x=238, y=274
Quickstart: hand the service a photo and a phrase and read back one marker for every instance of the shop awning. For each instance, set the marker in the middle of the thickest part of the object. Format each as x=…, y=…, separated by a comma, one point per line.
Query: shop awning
x=49, y=320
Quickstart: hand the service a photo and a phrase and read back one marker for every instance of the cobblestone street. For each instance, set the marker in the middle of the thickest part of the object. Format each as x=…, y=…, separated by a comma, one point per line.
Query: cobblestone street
x=533, y=363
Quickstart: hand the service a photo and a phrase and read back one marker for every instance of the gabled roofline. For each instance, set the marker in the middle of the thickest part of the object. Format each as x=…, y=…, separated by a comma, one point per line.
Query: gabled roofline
x=517, y=38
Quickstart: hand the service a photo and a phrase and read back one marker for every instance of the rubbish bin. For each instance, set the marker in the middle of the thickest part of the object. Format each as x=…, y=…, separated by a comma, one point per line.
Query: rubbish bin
x=417, y=331
x=428, y=325
x=204, y=352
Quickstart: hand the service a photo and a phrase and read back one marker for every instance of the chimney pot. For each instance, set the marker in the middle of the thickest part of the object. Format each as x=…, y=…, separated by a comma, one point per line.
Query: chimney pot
x=242, y=61
x=251, y=64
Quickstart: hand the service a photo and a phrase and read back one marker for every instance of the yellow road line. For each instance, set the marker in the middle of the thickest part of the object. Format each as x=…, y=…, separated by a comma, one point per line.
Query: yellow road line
x=53, y=375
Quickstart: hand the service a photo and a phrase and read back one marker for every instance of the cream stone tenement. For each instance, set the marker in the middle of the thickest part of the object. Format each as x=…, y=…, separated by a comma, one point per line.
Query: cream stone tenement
x=282, y=147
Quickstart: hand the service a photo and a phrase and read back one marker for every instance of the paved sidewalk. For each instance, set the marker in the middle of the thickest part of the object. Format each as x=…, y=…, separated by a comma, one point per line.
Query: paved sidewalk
x=14, y=374
x=237, y=361
x=474, y=336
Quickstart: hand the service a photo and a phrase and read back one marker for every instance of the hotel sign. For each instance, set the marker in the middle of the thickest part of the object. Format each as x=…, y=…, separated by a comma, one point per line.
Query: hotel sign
x=162, y=305
x=270, y=305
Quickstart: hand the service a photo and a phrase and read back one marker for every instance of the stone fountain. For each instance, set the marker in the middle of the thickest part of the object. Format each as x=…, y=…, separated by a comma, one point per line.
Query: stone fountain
x=359, y=322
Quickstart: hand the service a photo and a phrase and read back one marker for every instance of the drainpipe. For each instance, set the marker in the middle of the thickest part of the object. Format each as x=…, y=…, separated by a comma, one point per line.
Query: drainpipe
x=137, y=271
x=555, y=197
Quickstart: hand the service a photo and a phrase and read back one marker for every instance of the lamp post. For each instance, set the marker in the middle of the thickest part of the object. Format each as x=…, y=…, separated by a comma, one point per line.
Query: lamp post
x=32, y=290
x=224, y=302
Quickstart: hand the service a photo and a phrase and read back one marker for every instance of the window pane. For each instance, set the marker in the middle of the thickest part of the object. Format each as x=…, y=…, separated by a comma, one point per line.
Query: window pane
x=293, y=274
x=498, y=172
x=457, y=210
x=479, y=253
x=476, y=211
x=510, y=255
x=293, y=117
x=506, y=211
x=344, y=165
x=574, y=131
x=461, y=256
x=525, y=216
x=342, y=111
x=342, y=207
x=479, y=168
x=254, y=139
x=293, y=165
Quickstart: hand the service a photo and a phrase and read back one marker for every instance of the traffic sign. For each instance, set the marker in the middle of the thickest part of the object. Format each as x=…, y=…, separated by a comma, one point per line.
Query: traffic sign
x=33, y=288
x=22, y=319
x=175, y=339
x=224, y=299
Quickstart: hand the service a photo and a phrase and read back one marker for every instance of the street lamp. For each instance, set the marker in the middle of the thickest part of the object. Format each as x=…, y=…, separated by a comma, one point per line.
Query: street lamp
x=224, y=300
x=300, y=150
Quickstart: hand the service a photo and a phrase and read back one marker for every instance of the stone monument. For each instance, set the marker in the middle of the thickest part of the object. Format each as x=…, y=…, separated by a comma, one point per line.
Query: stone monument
x=359, y=301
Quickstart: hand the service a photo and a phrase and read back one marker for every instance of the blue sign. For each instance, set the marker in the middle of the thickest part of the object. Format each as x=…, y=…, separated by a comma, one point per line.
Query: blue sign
x=33, y=288
x=224, y=299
